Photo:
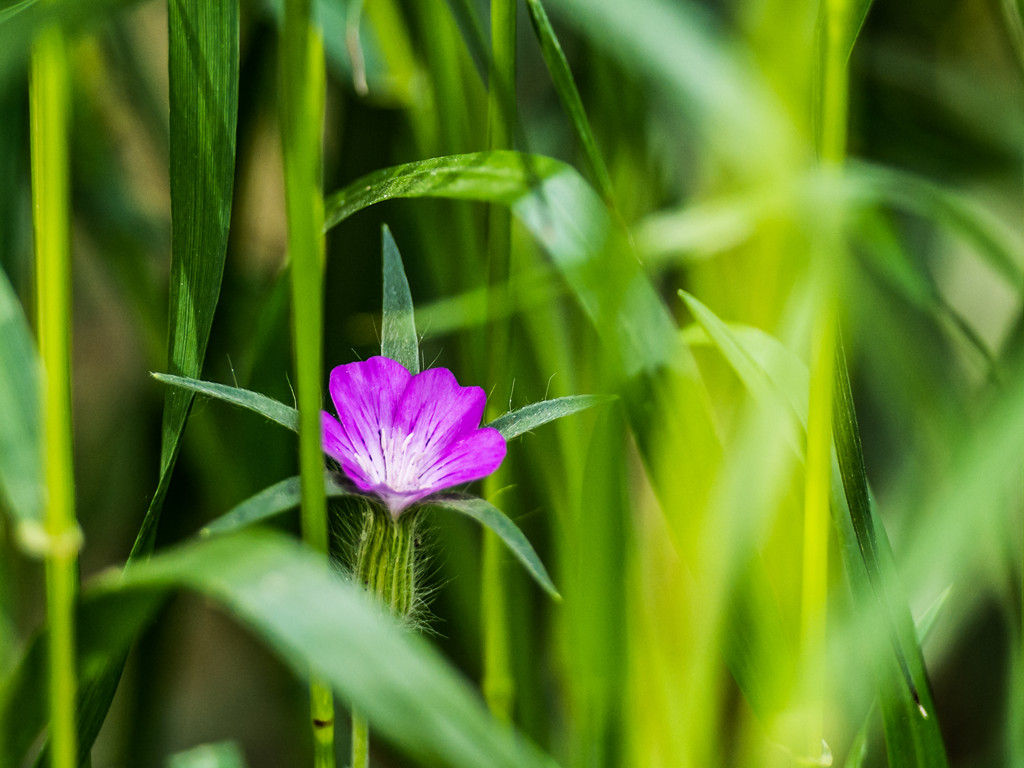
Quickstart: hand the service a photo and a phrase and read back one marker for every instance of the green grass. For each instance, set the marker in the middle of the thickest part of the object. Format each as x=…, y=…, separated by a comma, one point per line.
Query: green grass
x=743, y=283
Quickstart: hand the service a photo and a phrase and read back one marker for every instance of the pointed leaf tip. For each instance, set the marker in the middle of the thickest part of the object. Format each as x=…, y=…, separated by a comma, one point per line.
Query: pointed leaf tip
x=273, y=409
x=497, y=521
x=522, y=420
x=398, y=327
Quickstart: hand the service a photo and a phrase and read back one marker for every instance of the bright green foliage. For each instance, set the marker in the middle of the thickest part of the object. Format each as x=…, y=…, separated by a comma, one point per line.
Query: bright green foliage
x=203, y=67
x=680, y=204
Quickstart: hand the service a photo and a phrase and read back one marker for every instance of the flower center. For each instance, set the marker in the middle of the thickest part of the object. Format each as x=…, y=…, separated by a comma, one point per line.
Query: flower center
x=401, y=462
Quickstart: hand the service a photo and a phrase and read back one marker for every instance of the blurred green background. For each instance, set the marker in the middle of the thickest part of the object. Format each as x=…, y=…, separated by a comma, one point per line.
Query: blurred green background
x=711, y=140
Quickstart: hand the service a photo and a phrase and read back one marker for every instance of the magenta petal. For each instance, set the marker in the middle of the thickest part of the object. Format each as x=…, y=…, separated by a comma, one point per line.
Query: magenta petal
x=437, y=410
x=403, y=437
x=365, y=394
x=473, y=456
x=337, y=445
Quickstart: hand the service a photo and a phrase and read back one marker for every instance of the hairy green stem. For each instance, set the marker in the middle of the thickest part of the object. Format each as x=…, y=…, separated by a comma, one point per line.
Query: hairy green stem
x=50, y=197
x=385, y=564
x=386, y=558
x=302, y=115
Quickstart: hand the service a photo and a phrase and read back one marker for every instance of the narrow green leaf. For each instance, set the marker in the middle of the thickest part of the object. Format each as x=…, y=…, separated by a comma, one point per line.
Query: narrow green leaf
x=278, y=498
x=991, y=238
x=859, y=16
x=13, y=10
x=746, y=367
x=787, y=372
x=21, y=481
x=569, y=95
x=858, y=751
x=203, y=74
x=203, y=60
x=223, y=755
x=497, y=521
x=273, y=409
x=297, y=603
x=565, y=215
x=316, y=621
x=501, y=176
x=912, y=738
x=203, y=63
x=398, y=326
x=468, y=21
x=908, y=713
x=522, y=420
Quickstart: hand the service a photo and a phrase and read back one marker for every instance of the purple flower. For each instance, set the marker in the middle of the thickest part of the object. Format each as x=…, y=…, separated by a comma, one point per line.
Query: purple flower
x=403, y=437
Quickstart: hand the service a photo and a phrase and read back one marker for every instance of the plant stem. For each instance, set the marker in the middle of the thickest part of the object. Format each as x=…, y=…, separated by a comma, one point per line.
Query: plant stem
x=817, y=519
x=835, y=89
x=321, y=700
x=498, y=682
x=385, y=565
x=302, y=112
x=49, y=108
x=386, y=558
x=360, y=742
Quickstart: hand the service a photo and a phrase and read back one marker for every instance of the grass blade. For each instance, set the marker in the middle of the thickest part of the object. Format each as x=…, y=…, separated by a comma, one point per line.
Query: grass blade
x=990, y=238
x=858, y=16
x=787, y=373
x=501, y=176
x=912, y=739
x=278, y=498
x=754, y=377
x=273, y=409
x=21, y=482
x=203, y=62
x=565, y=86
x=565, y=215
x=314, y=620
x=908, y=712
x=398, y=325
x=61, y=537
x=497, y=521
x=203, y=66
x=522, y=420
